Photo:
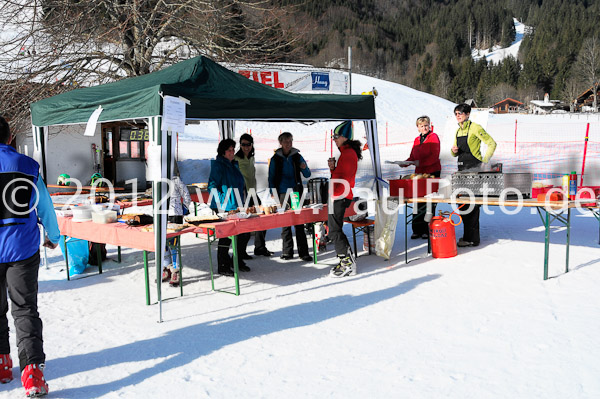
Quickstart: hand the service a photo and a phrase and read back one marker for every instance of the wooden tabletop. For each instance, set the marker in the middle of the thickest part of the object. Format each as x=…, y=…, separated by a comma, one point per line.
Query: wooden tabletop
x=98, y=189
x=528, y=203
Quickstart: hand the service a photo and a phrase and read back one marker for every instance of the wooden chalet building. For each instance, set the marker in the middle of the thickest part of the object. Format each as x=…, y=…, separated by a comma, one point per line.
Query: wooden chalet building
x=585, y=101
x=508, y=105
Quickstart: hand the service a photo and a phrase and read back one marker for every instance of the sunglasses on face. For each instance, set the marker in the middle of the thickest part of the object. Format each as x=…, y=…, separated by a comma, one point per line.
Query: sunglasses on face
x=335, y=136
x=459, y=113
x=245, y=144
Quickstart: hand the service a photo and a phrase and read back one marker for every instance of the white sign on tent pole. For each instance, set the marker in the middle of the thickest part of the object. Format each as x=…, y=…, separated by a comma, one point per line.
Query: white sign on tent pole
x=154, y=162
x=173, y=118
x=90, y=128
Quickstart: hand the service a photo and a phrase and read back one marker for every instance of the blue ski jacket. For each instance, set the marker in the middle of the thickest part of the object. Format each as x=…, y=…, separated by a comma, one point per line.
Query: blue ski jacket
x=23, y=198
x=224, y=180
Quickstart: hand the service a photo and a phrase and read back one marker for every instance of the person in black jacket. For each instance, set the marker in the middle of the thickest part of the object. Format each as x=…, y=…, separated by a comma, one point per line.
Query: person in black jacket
x=285, y=170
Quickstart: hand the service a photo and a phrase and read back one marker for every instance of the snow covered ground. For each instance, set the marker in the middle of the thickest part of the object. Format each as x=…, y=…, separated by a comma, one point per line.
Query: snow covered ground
x=481, y=325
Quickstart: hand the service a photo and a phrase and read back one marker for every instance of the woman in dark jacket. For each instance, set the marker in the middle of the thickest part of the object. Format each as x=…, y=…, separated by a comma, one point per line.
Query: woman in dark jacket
x=226, y=185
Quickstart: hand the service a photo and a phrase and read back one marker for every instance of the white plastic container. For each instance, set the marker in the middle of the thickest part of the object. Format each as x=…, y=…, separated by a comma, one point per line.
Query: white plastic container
x=82, y=213
x=104, y=217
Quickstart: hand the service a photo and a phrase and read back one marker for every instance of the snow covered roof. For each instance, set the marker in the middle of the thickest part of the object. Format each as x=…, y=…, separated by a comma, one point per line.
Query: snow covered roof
x=544, y=104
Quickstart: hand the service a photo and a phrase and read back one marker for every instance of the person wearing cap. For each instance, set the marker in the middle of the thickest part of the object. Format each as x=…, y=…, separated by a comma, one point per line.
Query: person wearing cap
x=425, y=155
x=25, y=202
x=285, y=170
x=343, y=174
x=467, y=147
x=245, y=160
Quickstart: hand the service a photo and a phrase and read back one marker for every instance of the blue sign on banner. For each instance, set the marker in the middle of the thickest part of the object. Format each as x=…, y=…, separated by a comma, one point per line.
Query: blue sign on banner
x=320, y=80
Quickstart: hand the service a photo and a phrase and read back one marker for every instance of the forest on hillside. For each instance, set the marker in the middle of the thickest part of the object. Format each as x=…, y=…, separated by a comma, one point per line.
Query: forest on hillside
x=427, y=44
x=53, y=46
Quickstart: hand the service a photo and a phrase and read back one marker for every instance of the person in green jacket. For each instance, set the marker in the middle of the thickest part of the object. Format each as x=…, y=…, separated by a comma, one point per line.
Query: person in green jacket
x=467, y=147
x=245, y=159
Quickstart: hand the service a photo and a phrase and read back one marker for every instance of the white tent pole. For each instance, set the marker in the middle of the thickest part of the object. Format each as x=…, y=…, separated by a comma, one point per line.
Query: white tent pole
x=40, y=140
x=159, y=206
x=39, y=154
x=231, y=128
x=373, y=142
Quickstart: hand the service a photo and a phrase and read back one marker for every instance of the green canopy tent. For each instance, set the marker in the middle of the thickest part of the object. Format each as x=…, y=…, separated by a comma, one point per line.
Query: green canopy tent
x=214, y=93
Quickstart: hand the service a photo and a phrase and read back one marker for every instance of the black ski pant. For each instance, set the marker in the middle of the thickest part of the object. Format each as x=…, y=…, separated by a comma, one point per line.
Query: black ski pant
x=288, y=241
x=259, y=237
x=419, y=225
x=471, y=224
x=223, y=246
x=259, y=241
x=20, y=281
x=335, y=220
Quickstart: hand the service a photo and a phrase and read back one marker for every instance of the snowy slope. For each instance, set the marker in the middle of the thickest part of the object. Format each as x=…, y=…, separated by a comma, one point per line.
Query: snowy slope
x=497, y=54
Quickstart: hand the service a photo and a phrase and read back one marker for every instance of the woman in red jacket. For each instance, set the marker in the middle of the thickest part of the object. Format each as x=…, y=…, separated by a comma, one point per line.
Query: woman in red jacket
x=345, y=171
x=425, y=155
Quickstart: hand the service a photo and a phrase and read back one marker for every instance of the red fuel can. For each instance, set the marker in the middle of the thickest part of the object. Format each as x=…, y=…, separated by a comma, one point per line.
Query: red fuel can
x=443, y=237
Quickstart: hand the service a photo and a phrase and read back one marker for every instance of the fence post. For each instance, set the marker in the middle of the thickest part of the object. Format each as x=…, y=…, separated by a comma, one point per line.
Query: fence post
x=386, y=134
x=331, y=145
x=587, y=133
x=515, y=136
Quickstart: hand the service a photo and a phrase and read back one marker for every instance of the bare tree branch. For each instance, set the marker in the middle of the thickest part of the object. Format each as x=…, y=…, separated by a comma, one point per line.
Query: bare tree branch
x=50, y=46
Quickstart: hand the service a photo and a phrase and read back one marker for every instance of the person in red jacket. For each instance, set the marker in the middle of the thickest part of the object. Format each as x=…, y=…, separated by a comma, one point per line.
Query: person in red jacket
x=342, y=176
x=425, y=155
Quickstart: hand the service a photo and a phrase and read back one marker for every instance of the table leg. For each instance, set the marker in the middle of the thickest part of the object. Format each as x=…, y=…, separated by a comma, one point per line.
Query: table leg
x=546, y=243
x=99, y=257
x=314, y=240
x=236, y=270
x=67, y=258
x=146, y=279
x=428, y=245
x=354, y=240
x=568, y=238
x=597, y=216
x=180, y=265
x=406, y=207
x=196, y=214
x=210, y=232
x=119, y=254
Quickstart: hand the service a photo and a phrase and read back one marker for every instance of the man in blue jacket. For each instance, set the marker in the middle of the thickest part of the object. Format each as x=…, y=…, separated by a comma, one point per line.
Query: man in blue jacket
x=24, y=202
x=285, y=170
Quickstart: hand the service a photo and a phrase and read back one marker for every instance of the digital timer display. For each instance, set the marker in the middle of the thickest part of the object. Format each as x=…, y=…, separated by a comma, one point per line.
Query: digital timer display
x=128, y=134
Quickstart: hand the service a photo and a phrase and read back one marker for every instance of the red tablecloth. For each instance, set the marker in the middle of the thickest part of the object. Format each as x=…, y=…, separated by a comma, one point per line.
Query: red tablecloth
x=119, y=234
x=196, y=198
x=266, y=222
x=129, y=204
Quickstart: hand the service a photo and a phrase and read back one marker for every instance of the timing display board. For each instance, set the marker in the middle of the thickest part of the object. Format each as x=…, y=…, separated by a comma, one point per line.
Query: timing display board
x=130, y=134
